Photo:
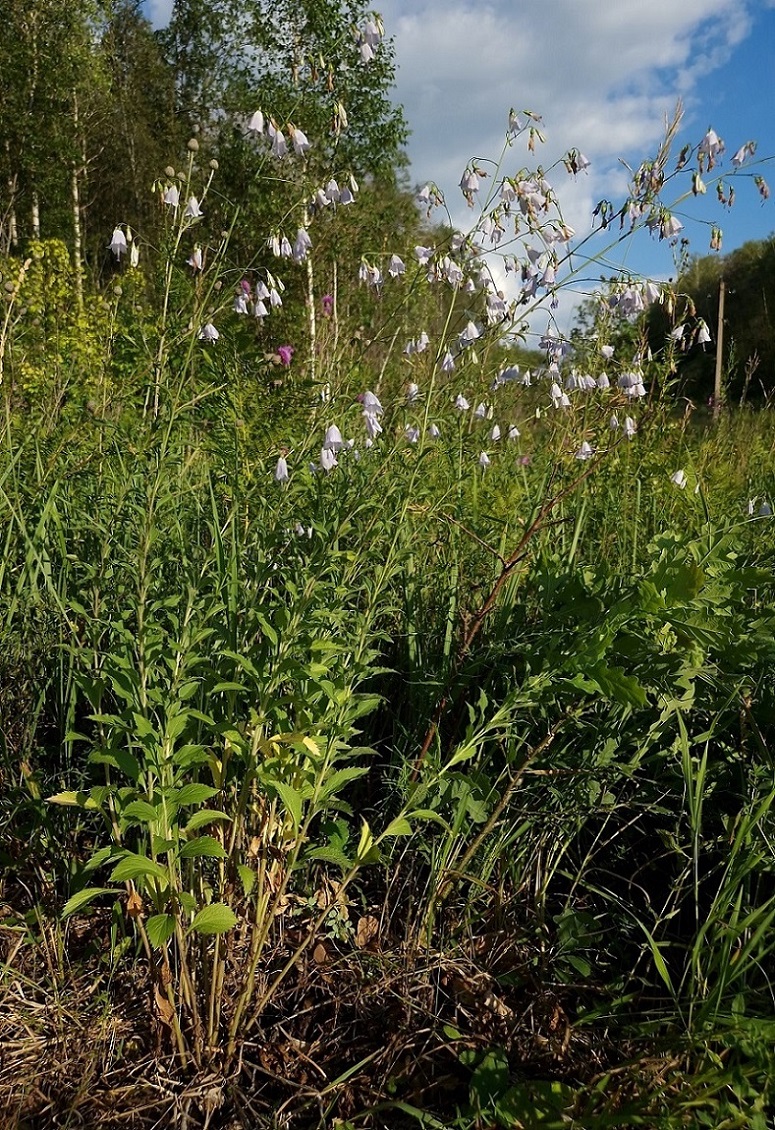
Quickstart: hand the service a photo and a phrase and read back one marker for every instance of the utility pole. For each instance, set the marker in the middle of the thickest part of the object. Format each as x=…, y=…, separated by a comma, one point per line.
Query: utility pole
x=722, y=288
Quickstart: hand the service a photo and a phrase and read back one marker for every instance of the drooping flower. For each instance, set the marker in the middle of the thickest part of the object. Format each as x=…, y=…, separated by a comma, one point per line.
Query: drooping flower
x=300, y=140
x=447, y=363
x=513, y=433
x=630, y=427
x=703, y=337
x=412, y=393
x=484, y=460
x=193, y=211
x=679, y=478
x=469, y=334
x=613, y=423
x=172, y=196
x=195, y=259
x=433, y=431
x=480, y=412
x=256, y=123
x=607, y=351
x=118, y=243
x=328, y=459
x=373, y=426
x=585, y=451
x=495, y=433
x=281, y=474
x=327, y=305
x=285, y=353
x=241, y=303
x=333, y=440
x=208, y=332
x=371, y=403
x=411, y=433
x=301, y=245
x=396, y=266
x=461, y=403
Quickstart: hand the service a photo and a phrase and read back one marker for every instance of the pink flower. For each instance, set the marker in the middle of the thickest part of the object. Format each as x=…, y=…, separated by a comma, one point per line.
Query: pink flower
x=285, y=353
x=327, y=302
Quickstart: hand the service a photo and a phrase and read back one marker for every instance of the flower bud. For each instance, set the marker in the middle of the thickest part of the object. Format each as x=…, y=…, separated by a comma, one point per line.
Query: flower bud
x=193, y=145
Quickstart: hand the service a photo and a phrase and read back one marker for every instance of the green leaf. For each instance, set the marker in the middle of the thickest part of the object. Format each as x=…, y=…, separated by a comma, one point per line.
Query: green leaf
x=187, y=901
x=247, y=877
x=214, y=919
x=77, y=800
x=141, y=811
x=339, y=778
x=206, y=846
x=398, y=827
x=133, y=866
x=160, y=928
x=195, y=794
x=83, y=898
x=331, y=854
x=206, y=816
x=291, y=799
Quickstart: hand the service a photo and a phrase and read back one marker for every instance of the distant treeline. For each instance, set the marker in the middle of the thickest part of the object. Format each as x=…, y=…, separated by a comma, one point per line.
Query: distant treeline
x=748, y=351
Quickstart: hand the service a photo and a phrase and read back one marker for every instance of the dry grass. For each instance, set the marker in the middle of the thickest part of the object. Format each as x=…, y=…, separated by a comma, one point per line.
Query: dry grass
x=82, y=1046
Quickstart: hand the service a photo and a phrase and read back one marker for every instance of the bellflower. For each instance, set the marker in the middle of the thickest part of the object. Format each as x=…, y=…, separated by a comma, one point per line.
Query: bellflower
x=447, y=363
x=281, y=471
x=603, y=381
x=613, y=423
x=300, y=141
x=260, y=310
x=172, y=196
x=275, y=300
x=193, y=211
x=240, y=304
x=412, y=393
x=371, y=403
x=328, y=459
x=469, y=334
x=256, y=123
x=279, y=144
x=423, y=255
x=679, y=478
x=333, y=440
x=118, y=243
x=301, y=245
x=208, y=332
x=513, y=433
x=495, y=433
x=195, y=260
x=373, y=426
x=480, y=412
x=585, y=452
x=433, y=431
x=396, y=266
x=411, y=433
x=285, y=353
x=630, y=427
x=484, y=460
x=461, y=403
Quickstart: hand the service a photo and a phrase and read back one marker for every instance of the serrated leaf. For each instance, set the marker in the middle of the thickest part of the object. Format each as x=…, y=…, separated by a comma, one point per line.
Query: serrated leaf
x=195, y=794
x=291, y=800
x=83, y=898
x=203, y=846
x=214, y=919
x=99, y=857
x=333, y=855
x=133, y=866
x=187, y=901
x=160, y=928
x=206, y=816
x=247, y=877
x=142, y=811
x=340, y=778
x=398, y=827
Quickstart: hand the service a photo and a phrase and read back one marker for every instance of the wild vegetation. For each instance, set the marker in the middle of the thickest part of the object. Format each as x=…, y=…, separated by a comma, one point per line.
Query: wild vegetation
x=386, y=712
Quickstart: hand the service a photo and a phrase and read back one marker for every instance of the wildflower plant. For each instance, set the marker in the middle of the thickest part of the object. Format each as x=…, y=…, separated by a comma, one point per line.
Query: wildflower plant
x=225, y=691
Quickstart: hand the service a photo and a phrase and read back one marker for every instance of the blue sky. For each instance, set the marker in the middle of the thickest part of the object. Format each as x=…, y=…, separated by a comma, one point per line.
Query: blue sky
x=603, y=74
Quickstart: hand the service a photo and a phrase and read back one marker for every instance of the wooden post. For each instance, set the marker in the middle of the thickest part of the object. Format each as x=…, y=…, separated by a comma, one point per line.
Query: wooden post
x=719, y=350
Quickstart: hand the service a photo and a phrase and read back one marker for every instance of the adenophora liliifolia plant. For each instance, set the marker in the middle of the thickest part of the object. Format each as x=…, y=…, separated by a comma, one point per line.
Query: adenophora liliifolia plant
x=226, y=716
